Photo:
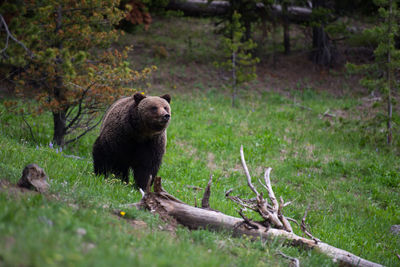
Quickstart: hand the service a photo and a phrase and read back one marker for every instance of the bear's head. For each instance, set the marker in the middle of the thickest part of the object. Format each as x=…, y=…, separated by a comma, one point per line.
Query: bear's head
x=154, y=111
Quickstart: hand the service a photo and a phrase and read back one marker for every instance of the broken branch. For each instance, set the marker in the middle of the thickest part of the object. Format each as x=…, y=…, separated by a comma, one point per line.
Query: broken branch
x=246, y=171
x=205, y=202
x=294, y=261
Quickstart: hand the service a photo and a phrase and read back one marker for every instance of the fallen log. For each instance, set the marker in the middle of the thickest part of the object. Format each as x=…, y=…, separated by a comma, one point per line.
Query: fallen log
x=275, y=224
x=296, y=14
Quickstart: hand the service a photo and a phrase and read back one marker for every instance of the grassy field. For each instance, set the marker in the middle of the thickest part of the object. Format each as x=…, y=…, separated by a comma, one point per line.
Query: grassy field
x=350, y=183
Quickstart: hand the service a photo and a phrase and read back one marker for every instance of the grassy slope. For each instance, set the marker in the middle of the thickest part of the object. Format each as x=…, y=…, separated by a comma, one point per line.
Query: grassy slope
x=352, y=190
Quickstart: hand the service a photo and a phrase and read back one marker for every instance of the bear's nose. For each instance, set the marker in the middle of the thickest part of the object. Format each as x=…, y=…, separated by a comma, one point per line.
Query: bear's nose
x=166, y=117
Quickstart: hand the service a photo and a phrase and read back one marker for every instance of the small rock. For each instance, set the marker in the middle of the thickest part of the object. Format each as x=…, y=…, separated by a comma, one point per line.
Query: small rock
x=73, y=206
x=81, y=231
x=46, y=221
x=34, y=177
x=139, y=224
x=395, y=229
x=86, y=247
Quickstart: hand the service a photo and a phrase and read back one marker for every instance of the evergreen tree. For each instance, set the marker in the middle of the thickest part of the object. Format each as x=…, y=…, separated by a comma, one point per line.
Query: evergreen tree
x=71, y=69
x=380, y=76
x=241, y=63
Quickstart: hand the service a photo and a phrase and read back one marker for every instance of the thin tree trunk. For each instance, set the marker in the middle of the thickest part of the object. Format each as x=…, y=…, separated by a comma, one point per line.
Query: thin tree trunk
x=234, y=79
x=274, y=46
x=59, y=114
x=59, y=121
x=323, y=52
x=286, y=28
x=389, y=79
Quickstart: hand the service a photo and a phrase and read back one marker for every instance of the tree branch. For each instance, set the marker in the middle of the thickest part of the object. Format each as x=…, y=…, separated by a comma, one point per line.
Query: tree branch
x=246, y=171
x=205, y=202
x=82, y=134
x=9, y=35
x=30, y=128
x=85, y=90
x=295, y=262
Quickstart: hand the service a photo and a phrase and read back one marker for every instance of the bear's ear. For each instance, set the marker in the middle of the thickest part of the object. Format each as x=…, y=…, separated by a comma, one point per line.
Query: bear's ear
x=138, y=97
x=166, y=97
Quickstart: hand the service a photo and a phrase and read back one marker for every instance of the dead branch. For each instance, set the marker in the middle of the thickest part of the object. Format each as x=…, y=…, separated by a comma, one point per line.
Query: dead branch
x=294, y=262
x=304, y=228
x=171, y=209
x=30, y=128
x=268, y=186
x=205, y=202
x=9, y=35
x=246, y=171
x=247, y=221
x=194, y=187
x=325, y=114
x=269, y=214
x=283, y=219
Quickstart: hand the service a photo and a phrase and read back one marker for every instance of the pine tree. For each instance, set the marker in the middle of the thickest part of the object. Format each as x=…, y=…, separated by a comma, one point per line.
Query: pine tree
x=379, y=76
x=241, y=63
x=71, y=69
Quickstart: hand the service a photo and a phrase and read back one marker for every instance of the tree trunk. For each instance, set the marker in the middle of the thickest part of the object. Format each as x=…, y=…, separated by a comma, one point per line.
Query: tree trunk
x=324, y=53
x=59, y=120
x=274, y=46
x=59, y=114
x=234, y=79
x=286, y=29
x=389, y=78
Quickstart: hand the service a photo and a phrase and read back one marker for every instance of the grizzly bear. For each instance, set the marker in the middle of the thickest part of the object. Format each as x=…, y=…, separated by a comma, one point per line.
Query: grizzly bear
x=133, y=136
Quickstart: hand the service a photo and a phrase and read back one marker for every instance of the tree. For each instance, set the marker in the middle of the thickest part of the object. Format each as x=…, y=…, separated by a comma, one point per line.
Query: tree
x=380, y=75
x=72, y=70
x=241, y=63
x=286, y=26
x=324, y=52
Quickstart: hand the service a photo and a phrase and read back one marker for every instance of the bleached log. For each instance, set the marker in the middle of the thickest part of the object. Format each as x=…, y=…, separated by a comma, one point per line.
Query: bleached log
x=175, y=211
x=169, y=208
x=296, y=14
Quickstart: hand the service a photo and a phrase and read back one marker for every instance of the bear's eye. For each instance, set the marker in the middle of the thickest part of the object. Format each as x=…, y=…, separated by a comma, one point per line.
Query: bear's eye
x=154, y=108
x=166, y=108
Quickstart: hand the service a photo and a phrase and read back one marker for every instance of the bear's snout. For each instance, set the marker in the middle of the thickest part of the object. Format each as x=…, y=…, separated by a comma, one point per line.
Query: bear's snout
x=166, y=117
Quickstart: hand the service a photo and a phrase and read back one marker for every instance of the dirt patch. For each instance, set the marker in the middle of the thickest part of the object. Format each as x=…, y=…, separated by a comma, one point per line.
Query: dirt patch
x=295, y=72
x=187, y=148
x=14, y=190
x=137, y=224
x=211, y=162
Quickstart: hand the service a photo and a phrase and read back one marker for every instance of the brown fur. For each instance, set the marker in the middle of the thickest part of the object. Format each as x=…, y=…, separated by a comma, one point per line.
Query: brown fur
x=133, y=136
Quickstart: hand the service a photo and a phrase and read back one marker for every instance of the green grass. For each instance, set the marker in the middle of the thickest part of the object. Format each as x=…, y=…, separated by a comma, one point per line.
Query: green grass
x=352, y=192
x=351, y=186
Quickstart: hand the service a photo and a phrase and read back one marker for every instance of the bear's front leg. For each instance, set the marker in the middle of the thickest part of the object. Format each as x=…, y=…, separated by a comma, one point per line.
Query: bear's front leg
x=142, y=176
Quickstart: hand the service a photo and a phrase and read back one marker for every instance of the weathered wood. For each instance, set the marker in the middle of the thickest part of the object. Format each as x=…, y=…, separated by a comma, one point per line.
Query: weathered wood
x=294, y=14
x=196, y=218
x=34, y=177
x=175, y=211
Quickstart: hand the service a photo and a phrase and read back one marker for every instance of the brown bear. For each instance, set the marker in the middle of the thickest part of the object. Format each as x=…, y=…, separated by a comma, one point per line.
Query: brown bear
x=133, y=136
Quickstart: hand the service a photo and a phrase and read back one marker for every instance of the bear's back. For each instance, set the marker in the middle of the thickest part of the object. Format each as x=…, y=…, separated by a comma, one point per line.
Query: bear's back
x=116, y=115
